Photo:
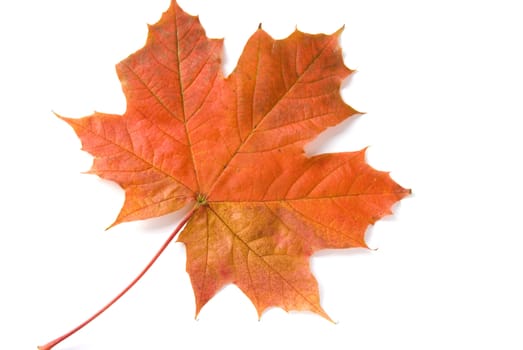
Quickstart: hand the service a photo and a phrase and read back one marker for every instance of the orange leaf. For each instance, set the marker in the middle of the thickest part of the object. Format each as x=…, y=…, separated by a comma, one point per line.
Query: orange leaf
x=233, y=148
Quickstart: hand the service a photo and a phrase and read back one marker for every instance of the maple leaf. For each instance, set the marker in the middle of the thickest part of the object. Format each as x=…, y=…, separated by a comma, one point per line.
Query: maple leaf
x=232, y=148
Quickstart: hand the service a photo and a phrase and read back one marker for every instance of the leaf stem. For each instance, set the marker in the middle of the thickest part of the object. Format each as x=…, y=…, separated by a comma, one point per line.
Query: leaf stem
x=58, y=340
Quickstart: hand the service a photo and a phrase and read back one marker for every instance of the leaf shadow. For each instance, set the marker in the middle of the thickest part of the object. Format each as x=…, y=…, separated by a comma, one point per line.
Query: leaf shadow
x=164, y=222
x=329, y=140
x=348, y=80
x=78, y=347
x=354, y=252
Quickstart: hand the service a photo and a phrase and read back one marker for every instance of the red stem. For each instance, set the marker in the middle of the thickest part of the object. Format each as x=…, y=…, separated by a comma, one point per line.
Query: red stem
x=58, y=340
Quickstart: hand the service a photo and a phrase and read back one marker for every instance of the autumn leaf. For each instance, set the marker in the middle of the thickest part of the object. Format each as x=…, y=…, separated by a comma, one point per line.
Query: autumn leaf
x=232, y=149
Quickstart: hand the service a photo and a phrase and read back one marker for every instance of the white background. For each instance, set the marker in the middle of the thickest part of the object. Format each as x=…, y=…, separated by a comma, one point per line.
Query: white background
x=442, y=85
